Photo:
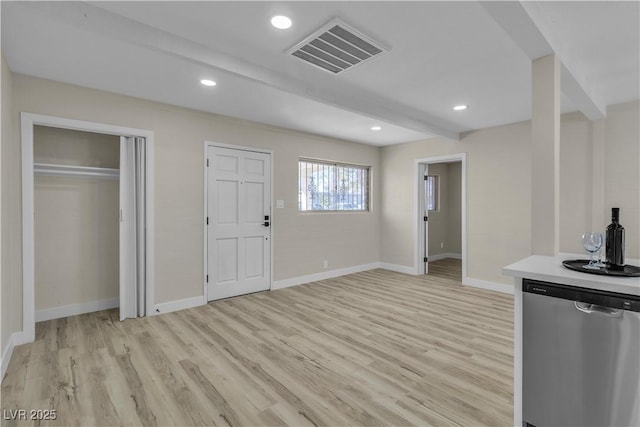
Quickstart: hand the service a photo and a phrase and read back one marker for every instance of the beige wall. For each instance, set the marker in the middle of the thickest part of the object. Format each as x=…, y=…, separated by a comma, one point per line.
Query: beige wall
x=498, y=197
x=76, y=220
x=5, y=127
x=499, y=189
x=438, y=220
x=11, y=228
x=301, y=242
x=454, y=190
x=622, y=171
x=575, y=181
x=76, y=240
x=498, y=184
x=444, y=224
x=621, y=162
x=72, y=147
x=11, y=220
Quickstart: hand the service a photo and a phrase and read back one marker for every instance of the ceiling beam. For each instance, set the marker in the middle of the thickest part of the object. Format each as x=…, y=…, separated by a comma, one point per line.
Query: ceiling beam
x=528, y=35
x=112, y=25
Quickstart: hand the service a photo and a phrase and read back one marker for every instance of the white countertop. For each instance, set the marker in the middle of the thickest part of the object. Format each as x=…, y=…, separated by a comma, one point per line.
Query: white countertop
x=550, y=269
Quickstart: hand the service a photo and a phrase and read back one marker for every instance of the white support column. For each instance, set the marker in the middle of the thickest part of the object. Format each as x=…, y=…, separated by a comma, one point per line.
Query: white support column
x=598, y=214
x=545, y=138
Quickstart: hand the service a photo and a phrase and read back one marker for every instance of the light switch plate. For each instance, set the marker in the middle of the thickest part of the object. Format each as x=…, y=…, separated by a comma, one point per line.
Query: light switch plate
x=279, y=204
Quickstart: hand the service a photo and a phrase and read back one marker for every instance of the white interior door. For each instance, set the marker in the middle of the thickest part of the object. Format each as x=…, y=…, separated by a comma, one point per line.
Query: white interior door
x=128, y=272
x=424, y=216
x=239, y=222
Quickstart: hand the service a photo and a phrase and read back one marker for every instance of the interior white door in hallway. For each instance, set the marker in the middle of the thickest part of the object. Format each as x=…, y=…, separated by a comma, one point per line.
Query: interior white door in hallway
x=424, y=214
x=239, y=222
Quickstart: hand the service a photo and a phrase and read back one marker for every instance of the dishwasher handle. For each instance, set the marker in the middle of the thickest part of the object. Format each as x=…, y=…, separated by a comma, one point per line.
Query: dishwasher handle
x=585, y=307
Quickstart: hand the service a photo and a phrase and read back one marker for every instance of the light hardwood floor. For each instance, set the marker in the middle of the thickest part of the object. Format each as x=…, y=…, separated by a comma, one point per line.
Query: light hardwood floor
x=372, y=348
x=448, y=268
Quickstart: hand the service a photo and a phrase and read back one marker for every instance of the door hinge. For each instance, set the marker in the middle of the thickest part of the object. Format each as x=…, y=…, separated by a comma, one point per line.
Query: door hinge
x=426, y=177
x=426, y=218
x=207, y=162
x=425, y=259
x=207, y=220
x=207, y=278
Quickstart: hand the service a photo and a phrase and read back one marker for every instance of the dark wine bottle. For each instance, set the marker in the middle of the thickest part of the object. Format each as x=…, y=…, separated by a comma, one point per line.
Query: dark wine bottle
x=615, y=242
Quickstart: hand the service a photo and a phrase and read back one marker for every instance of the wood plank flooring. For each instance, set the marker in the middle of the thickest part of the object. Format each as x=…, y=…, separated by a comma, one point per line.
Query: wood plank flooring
x=448, y=268
x=374, y=348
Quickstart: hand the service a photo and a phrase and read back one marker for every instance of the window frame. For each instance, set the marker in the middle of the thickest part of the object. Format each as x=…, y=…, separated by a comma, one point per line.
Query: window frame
x=436, y=198
x=336, y=165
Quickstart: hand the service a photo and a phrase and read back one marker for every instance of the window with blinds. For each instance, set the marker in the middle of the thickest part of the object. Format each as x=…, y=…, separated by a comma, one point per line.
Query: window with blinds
x=326, y=186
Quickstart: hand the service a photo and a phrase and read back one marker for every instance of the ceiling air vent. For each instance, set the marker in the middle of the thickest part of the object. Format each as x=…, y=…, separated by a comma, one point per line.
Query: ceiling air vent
x=336, y=47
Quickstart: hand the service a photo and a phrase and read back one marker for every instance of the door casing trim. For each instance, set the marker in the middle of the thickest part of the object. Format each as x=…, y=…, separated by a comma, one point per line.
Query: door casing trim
x=418, y=238
x=27, y=123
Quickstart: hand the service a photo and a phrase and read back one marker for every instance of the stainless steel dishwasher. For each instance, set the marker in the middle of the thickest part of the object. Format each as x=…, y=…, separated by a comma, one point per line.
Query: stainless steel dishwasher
x=581, y=356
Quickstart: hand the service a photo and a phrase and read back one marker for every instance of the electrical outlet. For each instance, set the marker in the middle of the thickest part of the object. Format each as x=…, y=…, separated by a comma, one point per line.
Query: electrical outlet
x=441, y=245
x=326, y=264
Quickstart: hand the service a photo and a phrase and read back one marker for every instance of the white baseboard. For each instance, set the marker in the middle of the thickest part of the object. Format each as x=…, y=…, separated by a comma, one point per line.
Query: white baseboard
x=180, y=304
x=437, y=257
x=491, y=286
x=477, y=283
x=7, y=352
x=285, y=283
x=397, y=268
x=75, y=309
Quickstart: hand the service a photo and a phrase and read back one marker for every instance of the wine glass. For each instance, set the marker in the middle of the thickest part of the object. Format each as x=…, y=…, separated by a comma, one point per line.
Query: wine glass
x=592, y=242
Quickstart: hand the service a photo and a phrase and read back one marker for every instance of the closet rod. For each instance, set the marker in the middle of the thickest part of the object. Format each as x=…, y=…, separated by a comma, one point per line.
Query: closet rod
x=75, y=171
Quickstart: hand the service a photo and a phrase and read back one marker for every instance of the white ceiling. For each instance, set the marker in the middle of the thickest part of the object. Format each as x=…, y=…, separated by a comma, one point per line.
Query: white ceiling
x=441, y=54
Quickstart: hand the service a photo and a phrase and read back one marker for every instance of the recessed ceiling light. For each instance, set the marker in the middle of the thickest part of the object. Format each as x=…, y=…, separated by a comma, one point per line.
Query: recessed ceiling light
x=376, y=128
x=208, y=82
x=460, y=107
x=281, y=22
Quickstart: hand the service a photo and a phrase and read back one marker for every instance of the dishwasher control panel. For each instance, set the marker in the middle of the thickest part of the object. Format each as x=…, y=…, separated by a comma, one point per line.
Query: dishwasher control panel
x=585, y=295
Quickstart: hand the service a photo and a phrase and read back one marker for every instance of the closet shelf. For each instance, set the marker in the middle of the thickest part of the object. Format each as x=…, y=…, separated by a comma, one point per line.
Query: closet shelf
x=75, y=171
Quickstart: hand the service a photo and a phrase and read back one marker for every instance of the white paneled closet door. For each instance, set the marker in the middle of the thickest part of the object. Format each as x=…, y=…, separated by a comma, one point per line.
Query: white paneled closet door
x=239, y=215
x=132, y=227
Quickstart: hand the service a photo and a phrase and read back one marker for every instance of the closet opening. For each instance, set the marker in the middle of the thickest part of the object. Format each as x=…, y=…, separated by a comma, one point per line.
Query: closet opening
x=87, y=219
x=76, y=218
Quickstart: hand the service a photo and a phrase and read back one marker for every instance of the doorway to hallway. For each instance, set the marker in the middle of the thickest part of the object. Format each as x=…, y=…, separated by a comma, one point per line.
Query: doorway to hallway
x=440, y=200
